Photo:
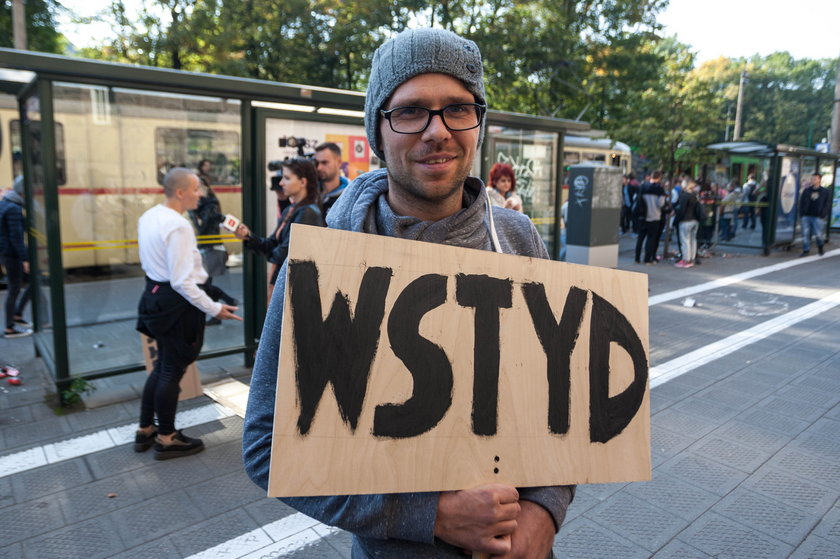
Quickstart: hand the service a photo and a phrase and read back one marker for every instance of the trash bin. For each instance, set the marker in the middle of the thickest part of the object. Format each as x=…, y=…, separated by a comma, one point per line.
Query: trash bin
x=593, y=213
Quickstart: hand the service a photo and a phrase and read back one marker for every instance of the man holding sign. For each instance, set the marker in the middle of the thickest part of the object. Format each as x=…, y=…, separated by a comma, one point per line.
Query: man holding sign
x=424, y=116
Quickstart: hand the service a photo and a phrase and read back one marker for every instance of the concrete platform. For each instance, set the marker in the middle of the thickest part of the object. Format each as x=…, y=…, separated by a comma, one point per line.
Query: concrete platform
x=745, y=445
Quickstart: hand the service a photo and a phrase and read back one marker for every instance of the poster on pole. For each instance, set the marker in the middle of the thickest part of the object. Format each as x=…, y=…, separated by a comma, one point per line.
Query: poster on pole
x=411, y=366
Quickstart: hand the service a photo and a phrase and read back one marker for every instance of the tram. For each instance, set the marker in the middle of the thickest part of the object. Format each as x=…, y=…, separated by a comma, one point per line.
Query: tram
x=103, y=188
x=583, y=149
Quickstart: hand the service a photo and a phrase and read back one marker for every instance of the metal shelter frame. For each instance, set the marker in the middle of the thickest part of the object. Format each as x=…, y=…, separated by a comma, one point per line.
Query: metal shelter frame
x=26, y=74
x=778, y=186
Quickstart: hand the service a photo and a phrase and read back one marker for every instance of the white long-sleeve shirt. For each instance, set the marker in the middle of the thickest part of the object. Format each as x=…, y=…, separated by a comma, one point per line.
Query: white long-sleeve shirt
x=169, y=252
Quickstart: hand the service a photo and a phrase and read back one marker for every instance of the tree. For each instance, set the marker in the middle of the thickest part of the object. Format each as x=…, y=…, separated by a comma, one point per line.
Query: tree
x=787, y=101
x=672, y=121
x=41, y=30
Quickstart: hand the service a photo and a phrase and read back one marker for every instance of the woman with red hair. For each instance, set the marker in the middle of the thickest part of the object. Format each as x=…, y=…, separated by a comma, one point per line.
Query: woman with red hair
x=502, y=188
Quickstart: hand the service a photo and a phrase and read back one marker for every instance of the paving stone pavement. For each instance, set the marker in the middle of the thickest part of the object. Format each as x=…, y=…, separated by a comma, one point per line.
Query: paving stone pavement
x=745, y=449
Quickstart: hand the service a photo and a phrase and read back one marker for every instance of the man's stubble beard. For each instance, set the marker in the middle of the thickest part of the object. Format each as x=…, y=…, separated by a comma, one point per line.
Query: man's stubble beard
x=414, y=188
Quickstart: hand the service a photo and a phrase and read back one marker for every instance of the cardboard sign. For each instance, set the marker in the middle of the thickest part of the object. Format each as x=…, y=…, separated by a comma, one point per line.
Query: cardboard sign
x=410, y=366
x=190, y=382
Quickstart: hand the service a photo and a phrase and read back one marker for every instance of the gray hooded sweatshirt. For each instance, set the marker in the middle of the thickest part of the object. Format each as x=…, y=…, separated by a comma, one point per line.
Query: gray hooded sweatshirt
x=398, y=524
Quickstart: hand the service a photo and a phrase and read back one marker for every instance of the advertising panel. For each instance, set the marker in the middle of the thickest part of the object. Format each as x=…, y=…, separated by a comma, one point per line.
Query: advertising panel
x=835, y=208
x=788, y=198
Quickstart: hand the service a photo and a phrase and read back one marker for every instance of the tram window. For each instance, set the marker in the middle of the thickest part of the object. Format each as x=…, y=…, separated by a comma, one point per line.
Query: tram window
x=615, y=160
x=595, y=157
x=60, y=160
x=571, y=158
x=187, y=146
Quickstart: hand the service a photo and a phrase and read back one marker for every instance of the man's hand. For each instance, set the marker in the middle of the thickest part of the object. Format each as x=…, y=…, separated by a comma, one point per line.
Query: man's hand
x=25, y=266
x=480, y=519
x=534, y=534
x=227, y=313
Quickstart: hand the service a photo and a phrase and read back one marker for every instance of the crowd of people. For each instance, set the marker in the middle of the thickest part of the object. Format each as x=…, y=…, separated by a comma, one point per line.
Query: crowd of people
x=695, y=213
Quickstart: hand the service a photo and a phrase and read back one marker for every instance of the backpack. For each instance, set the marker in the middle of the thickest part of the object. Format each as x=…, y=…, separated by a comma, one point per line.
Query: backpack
x=639, y=207
x=699, y=212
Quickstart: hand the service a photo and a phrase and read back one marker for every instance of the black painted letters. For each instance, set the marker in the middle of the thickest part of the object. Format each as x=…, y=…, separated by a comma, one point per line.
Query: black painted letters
x=338, y=350
x=487, y=295
x=426, y=361
x=558, y=340
x=609, y=416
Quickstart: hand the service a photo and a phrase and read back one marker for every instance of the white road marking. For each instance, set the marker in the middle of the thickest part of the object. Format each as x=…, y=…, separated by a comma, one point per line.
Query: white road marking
x=729, y=280
x=279, y=538
x=684, y=363
x=298, y=531
x=79, y=446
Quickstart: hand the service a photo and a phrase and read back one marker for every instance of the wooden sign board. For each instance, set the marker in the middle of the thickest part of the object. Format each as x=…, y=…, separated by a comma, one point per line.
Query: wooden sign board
x=411, y=366
x=190, y=382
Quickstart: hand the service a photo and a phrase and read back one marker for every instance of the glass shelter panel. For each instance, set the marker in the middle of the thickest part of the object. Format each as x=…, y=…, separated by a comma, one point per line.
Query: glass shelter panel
x=118, y=144
x=356, y=156
x=11, y=160
x=40, y=272
x=533, y=155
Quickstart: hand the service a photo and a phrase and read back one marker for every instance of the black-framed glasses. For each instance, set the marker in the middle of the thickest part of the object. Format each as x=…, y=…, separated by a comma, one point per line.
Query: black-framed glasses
x=413, y=120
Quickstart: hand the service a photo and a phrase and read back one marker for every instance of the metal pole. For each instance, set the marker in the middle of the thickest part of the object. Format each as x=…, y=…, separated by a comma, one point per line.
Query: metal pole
x=19, y=25
x=739, y=109
x=835, y=116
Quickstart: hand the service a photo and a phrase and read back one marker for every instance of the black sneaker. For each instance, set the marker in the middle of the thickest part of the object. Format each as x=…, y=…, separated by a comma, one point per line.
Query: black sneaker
x=143, y=442
x=15, y=332
x=181, y=445
x=820, y=250
x=23, y=323
x=804, y=253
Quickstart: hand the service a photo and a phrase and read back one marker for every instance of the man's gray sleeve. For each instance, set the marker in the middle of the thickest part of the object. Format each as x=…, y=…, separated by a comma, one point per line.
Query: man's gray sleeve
x=404, y=516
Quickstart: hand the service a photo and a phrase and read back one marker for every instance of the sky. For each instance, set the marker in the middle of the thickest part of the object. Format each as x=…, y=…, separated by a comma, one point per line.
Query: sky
x=733, y=28
x=736, y=28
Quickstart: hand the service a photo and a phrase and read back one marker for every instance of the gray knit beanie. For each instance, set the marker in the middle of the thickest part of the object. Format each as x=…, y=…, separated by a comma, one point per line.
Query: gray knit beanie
x=414, y=52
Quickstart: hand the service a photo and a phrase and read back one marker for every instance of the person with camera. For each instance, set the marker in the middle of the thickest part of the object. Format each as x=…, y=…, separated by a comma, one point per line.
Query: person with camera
x=300, y=185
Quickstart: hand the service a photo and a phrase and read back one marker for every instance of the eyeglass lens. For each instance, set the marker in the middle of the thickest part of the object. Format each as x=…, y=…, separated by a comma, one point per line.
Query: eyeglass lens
x=409, y=120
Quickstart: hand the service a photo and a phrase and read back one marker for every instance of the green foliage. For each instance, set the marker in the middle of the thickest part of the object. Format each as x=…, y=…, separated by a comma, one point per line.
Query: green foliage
x=72, y=396
x=41, y=34
x=787, y=100
x=603, y=61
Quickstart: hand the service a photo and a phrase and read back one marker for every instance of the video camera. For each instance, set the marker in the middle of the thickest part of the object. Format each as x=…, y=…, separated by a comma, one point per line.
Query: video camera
x=277, y=164
x=289, y=142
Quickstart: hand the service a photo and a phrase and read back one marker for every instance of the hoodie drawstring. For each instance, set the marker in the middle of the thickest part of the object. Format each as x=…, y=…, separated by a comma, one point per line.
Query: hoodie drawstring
x=493, y=236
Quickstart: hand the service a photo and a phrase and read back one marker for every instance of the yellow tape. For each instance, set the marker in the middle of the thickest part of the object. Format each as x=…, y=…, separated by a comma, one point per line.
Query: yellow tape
x=132, y=243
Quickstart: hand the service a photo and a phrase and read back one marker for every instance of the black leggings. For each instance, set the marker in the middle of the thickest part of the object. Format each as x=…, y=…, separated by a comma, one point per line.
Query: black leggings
x=160, y=393
x=178, y=329
x=14, y=278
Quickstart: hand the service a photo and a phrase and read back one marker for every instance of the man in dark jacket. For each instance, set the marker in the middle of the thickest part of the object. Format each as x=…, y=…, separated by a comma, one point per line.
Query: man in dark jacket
x=14, y=259
x=330, y=180
x=425, y=194
x=814, y=207
x=649, y=204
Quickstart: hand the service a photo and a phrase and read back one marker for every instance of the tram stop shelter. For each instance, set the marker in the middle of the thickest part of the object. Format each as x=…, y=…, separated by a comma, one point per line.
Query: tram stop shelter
x=93, y=140
x=782, y=172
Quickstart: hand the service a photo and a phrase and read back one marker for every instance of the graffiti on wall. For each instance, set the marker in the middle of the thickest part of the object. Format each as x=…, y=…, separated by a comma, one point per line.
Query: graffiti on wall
x=525, y=169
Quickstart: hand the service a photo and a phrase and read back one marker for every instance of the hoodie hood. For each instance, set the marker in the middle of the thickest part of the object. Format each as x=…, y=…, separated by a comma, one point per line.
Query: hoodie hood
x=13, y=197
x=363, y=207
